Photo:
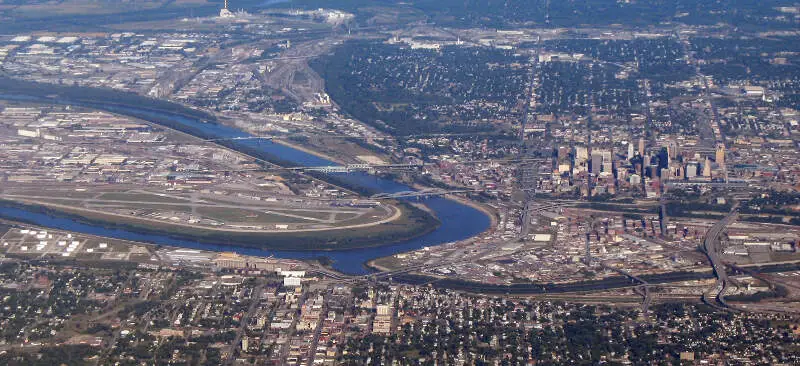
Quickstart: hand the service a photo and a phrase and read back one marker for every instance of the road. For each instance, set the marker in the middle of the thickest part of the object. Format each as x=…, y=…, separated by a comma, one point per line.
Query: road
x=315, y=336
x=531, y=90
x=256, y=296
x=711, y=246
x=706, y=128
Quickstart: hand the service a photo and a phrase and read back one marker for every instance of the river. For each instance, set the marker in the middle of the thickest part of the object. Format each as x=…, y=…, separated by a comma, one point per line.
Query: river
x=458, y=221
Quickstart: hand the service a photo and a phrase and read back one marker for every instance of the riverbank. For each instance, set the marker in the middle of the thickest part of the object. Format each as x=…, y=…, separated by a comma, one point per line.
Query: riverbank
x=376, y=265
x=488, y=211
x=58, y=93
x=308, y=151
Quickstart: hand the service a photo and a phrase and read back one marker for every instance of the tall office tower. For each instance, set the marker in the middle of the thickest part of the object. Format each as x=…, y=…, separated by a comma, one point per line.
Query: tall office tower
x=563, y=153
x=581, y=154
x=691, y=169
x=630, y=150
x=608, y=166
x=606, y=155
x=672, y=150
x=669, y=149
x=641, y=146
x=607, y=161
x=597, y=162
x=720, y=155
x=707, y=168
x=622, y=175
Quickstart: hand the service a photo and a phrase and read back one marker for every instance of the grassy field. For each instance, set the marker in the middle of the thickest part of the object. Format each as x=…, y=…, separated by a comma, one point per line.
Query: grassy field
x=141, y=197
x=60, y=193
x=248, y=216
x=346, y=216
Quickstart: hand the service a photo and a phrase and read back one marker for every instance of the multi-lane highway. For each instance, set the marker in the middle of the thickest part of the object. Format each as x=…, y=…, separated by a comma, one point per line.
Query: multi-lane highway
x=711, y=245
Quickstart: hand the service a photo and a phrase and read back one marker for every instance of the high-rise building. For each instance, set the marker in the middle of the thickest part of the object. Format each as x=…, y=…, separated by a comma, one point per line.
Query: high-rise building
x=606, y=155
x=581, y=154
x=597, y=162
x=720, y=154
x=707, y=168
x=622, y=174
x=669, y=150
x=672, y=150
x=641, y=146
x=630, y=150
x=691, y=169
x=563, y=153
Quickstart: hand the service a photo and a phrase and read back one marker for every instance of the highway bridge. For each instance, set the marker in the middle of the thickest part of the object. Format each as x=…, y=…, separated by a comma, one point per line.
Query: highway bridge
x=275, y=137
x=643, y=289
x=349, y=168
x=431, y=192
x=240, y=138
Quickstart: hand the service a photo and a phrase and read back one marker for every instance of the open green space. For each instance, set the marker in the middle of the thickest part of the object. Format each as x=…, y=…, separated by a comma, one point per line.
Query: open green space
x=55, y=193
x=310, y=214
x=141, y=197
x=233, y=215
x=346, y=216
